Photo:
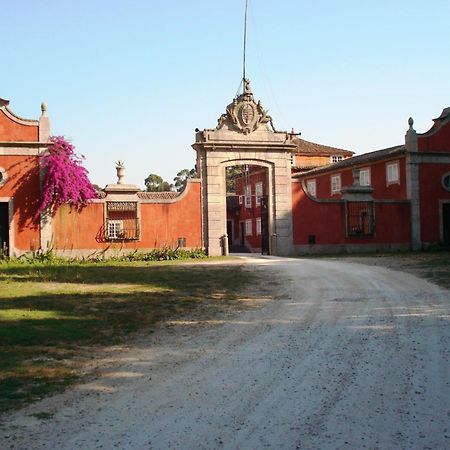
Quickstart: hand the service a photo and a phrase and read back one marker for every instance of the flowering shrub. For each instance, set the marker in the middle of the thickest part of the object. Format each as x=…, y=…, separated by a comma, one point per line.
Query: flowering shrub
x=65, y=178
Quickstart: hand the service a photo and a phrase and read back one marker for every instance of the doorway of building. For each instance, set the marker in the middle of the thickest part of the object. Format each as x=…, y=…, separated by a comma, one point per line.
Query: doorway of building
x=247, y=208
x=446, y=223
x=4, y=228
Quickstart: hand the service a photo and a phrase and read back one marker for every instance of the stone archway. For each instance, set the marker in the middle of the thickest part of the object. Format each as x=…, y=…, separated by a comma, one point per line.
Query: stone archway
x=245, y=135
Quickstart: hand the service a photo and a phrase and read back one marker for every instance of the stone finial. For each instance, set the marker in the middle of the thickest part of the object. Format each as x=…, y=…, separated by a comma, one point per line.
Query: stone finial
x=411, y=137
x=247, y=87
x=120, y=168
x=44, y=109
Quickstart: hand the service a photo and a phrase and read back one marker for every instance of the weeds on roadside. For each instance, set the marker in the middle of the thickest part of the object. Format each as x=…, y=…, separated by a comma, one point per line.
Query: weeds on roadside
x=157, y=254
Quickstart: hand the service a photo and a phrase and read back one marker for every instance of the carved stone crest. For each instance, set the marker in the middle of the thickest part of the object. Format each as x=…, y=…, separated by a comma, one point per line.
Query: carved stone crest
x=244, y=114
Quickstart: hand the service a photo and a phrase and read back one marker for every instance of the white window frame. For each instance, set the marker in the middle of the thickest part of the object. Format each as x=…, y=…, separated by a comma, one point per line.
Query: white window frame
x=241, y=199
x=258, y=226
x=335, y=183
x=389, y=167
x=249, y=227
x=336, y=158
x=258, y=192
x=311, y=187
x=248, y=196
x=364, y=176
x=115, y=229
x=292, y=159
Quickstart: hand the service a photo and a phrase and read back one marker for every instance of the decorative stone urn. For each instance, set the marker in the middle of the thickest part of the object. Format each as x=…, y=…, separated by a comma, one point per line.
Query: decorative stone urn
x=120, y=168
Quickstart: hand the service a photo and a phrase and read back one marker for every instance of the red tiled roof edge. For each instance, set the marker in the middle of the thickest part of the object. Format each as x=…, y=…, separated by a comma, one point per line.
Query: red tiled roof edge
x=308, y=147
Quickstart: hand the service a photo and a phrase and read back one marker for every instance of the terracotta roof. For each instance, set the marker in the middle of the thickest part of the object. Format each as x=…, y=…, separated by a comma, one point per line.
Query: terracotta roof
x=170, y=195
x=356, y=160
x=311, y=148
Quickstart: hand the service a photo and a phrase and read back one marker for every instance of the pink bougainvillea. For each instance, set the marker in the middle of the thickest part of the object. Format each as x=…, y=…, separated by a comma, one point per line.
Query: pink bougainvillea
x=65, y=178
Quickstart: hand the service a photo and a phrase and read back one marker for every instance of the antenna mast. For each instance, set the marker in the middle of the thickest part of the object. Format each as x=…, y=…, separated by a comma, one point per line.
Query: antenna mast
x=245, y=39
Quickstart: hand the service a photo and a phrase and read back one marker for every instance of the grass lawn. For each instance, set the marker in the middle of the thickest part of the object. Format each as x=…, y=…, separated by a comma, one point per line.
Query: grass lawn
x=53, y=315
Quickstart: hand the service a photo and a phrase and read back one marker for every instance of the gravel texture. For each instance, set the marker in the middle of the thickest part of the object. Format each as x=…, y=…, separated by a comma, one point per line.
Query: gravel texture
x=346, y=356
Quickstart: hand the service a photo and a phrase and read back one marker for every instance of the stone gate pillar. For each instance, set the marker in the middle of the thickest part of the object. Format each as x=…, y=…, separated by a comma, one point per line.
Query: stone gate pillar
x=245, y=135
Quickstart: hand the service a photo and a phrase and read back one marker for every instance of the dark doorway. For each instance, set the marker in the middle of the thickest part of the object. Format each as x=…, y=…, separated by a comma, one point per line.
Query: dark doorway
x=4, y=228
x=446, y=223
x=230, y=234
x=264, y=226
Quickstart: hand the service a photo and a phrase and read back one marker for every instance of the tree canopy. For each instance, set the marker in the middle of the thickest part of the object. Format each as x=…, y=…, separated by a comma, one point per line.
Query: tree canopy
x=182, y=177
x=154, y=183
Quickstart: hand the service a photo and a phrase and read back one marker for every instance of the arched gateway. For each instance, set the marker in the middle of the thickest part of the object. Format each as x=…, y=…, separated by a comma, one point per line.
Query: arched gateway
x=245, y=135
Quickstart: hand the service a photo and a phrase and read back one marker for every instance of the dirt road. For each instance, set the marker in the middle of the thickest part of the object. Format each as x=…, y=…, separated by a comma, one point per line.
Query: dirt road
x=347, y=356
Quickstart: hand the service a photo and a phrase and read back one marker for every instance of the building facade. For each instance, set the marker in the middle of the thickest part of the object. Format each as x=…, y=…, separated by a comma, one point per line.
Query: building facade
x=290, y=197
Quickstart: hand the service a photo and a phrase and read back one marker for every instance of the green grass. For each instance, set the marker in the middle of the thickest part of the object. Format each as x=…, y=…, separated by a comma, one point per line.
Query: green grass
x=54, y=315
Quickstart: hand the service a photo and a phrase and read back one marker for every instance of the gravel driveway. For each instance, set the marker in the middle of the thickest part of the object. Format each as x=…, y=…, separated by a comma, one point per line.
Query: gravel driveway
x=346, y=356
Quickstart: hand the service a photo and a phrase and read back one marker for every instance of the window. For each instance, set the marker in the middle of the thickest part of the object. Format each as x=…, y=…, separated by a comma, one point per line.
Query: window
x=258, y=192
x=360, y=219
x=364, y=177
x=121, y=221
x=392, y=173
x=292, y=159
x=248, y=196
x=248, y=227
x=3, y=176
x=258, y=226
x=241, y=199
x=335, y=184
x=446, y=181
x=336, y=158
x=311, y=187
x=115, y=229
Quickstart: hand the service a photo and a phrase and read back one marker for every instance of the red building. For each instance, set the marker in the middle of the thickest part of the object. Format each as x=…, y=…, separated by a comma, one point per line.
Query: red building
x=21, y=143
x=122, y=219
x=395, y=198
x=247, y=207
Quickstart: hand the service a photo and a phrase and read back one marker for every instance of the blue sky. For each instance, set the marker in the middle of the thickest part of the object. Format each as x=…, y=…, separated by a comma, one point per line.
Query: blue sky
x=131, y=80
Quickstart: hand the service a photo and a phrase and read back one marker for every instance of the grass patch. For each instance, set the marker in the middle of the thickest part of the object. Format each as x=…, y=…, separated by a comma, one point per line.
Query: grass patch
x=53, y=315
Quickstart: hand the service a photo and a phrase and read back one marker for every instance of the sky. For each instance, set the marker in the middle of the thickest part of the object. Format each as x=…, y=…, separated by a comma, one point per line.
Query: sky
x=131, y=80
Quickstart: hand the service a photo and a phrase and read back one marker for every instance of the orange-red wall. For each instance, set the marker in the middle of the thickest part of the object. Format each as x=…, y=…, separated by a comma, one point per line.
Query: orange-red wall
x=326, y=221
x=161, y=224
x=12, y=131
x=23, y=185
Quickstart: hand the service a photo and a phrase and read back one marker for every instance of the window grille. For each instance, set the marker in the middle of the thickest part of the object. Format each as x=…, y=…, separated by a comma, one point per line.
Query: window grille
x=336, y=158
x=360, y=219
x=122, y=222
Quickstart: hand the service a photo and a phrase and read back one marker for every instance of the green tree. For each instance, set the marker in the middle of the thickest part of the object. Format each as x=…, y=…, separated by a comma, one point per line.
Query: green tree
x=232, y=174
x=182, y=177
x=154, y=183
